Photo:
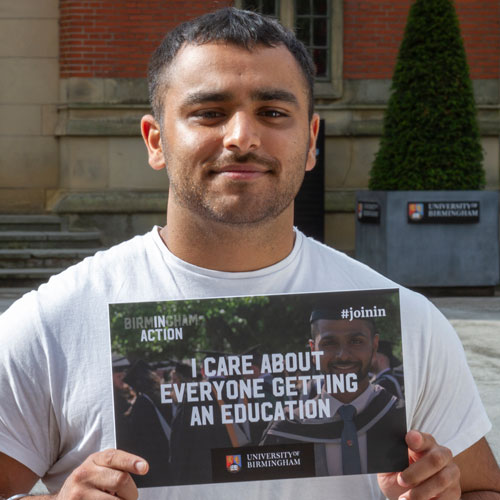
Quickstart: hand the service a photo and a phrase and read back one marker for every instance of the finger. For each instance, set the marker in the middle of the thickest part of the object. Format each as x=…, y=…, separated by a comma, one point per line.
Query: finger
x=121, y=460
x=114, y=476
x=103, y=483
x=388, y=484
x=99, y=495
x=96, y=482
x=444, y=485
x=118, y=484
x=419, y=442
x=428, y=464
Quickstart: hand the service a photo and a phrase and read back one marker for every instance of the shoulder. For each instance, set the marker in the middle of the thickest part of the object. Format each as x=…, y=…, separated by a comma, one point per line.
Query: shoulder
x=335, y=270
x=391, y=382
x=382, y=408
x=81, y=291
x=339, y=269
x=119, y=260
x=103, y=273
x=422, y=324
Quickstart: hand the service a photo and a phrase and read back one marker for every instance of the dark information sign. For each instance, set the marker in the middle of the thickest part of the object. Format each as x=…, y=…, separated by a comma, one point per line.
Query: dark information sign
x=443, y=212
x=368, y=211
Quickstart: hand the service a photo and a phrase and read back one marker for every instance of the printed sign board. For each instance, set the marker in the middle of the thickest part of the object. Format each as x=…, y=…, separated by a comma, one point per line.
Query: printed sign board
x=259, y=387
x=368, y=211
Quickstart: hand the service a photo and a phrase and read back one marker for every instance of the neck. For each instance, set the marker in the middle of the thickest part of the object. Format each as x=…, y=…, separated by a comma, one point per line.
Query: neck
x=228, y=247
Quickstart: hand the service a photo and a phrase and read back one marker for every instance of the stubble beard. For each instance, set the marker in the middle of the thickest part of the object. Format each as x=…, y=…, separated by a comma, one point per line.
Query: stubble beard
x=362, y=371
x=242, y=206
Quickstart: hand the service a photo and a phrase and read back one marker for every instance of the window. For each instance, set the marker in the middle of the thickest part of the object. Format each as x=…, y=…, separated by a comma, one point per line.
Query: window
x=312, y=21
x=318, y=24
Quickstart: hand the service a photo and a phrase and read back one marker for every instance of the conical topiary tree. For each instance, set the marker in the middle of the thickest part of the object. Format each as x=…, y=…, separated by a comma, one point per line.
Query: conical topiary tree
x=431, y=137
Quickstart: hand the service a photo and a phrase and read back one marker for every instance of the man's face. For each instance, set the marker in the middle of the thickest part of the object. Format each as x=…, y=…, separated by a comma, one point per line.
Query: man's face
x=348, y=347
x=236, y=138
x=118, y=376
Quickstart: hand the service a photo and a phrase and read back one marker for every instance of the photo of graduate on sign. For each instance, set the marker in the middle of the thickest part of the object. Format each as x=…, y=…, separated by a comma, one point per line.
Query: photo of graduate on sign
x=295, y=385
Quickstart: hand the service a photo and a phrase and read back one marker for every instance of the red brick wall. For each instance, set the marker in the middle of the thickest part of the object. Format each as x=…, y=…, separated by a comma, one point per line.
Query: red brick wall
x=373, y=30
x=372, y=34
x=114, y=38
x=480, y=24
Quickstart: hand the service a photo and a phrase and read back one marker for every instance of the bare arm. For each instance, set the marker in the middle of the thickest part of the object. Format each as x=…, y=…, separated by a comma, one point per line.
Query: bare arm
x=479, y=473
x=481, y=495
x=15, y=477
x=103, y=475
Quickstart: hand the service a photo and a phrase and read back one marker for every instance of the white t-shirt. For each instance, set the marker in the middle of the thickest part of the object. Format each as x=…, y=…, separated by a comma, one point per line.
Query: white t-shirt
x=55, y=361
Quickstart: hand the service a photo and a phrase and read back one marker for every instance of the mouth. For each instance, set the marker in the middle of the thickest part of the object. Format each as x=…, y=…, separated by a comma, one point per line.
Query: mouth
x=343, y=367
x=242, y=171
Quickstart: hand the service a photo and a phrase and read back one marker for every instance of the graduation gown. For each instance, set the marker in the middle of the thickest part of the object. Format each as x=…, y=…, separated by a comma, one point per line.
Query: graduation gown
x=383, y=421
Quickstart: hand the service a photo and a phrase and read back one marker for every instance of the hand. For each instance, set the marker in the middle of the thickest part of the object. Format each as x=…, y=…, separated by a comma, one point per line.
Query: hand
x=431, y=474
x=104, y=475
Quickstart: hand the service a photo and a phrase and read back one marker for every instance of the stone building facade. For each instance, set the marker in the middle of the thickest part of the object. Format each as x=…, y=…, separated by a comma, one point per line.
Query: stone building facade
x=73, y=89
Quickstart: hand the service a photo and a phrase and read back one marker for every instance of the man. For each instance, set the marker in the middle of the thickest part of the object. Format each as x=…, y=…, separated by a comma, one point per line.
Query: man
x=233, y=124
x=149, y=432
x=366, y=428
x=123, y=396
x=387, y=369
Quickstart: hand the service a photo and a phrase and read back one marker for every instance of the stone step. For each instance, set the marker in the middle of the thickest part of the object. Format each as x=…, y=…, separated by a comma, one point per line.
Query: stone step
x=43, y=257
x=49, y=239
x=8, y=295
x=30, y=278
x=31, y=223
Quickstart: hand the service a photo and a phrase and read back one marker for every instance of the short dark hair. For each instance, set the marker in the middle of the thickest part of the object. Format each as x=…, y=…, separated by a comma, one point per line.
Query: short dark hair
x=230, y=25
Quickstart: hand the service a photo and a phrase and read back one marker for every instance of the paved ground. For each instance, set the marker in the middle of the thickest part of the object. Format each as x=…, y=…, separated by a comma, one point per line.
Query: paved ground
x=477, y=322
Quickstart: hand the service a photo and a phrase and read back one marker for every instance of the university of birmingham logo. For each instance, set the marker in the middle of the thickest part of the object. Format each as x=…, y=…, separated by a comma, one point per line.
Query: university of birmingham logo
x=233, y=463
x=360, y=210
x=416, y=211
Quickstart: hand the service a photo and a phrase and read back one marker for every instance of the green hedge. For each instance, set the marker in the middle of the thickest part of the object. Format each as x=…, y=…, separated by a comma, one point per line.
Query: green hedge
x=431, y=138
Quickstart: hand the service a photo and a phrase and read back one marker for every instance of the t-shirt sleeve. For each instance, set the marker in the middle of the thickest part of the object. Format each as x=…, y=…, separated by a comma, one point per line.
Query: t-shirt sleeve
x=28, y=430
x=442, y=397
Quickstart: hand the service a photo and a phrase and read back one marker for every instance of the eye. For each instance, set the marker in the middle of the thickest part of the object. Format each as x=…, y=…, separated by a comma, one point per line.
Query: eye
x=207, y=115
x=273, y=113
x=210, y=114
x=327, y=343
x=357, y=340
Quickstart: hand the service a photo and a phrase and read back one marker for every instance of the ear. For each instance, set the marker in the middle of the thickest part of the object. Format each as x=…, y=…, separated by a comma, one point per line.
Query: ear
x=312, y=345
x=313, y=135
x=375, y=342
x=150, y=130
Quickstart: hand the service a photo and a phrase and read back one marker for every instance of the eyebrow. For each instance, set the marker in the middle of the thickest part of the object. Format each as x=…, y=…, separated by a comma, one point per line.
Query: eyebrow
x=329, y=335
x=275, y=95
x=202, y=97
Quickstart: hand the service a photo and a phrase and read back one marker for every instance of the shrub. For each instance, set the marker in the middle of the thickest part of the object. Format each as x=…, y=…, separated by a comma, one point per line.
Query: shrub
x=431, y=137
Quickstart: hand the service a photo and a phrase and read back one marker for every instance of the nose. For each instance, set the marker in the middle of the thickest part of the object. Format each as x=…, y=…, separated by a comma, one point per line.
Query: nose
x=342, y=353
x=241, y=134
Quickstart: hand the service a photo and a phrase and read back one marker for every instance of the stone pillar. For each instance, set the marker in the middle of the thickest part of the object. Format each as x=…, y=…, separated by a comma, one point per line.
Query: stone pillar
x=29, y=79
